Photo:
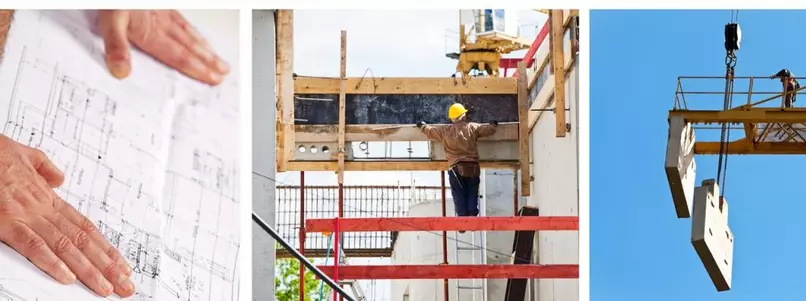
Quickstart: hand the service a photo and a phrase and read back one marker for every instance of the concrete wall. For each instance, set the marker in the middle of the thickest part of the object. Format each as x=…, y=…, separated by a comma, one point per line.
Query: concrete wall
x=555, y=192
x=263, y=151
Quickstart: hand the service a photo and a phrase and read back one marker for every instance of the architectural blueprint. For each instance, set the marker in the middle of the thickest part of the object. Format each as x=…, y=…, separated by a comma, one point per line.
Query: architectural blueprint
x=151, y=159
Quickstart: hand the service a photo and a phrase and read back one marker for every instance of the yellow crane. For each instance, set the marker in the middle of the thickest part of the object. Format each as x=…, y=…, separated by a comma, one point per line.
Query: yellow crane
x=491, y=42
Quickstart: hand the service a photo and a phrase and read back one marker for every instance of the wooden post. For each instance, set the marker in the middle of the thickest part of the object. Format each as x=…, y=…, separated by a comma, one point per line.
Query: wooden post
x=523, y=129
x=558, y=62
x=342, y=104
x=285, y=88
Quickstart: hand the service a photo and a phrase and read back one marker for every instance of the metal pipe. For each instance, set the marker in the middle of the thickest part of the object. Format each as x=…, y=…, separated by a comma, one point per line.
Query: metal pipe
x=262, y=224
x=735, y=77
x=338, y=234
x=734, y=93
x=444, y=234
x=515, y=191
x=336, y=254
x=302, y=234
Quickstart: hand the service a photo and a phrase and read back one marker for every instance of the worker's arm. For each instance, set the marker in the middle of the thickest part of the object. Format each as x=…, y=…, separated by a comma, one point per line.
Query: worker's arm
x=486, y=130
x=431, y=132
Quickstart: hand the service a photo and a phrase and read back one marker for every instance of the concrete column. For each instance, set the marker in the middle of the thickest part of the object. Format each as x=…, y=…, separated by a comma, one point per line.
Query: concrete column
x=263, y=151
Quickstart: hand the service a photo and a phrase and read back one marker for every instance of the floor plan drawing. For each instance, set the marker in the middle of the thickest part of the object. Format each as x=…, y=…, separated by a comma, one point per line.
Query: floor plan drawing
x=152, y=159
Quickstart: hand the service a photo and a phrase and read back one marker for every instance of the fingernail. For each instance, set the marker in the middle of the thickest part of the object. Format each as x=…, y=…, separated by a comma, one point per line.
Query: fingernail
x=126, y=269
x=125, y=284
x=215, y=77
x=69, y=274
x=119, y=69
x=106, y=286
x=222, y=66
x=204, y=52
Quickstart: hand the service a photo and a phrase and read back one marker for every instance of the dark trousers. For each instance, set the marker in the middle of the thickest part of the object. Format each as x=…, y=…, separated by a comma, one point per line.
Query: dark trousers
x=465, y=191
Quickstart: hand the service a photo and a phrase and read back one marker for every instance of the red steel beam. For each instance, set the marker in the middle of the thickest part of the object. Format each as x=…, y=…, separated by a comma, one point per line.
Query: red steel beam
x=454, y=271
x=467, y=223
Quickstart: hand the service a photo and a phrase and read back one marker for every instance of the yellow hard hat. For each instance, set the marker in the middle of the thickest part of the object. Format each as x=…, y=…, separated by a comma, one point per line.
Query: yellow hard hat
x=456, y=110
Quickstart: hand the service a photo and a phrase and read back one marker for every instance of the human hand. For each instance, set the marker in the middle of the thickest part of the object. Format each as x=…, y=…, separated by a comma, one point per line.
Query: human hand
x=163, y=34
x=53, y=235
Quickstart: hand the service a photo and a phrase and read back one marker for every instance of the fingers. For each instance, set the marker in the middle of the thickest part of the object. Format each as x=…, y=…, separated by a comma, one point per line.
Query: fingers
x=52, y=175
x=110, y=269
x=177, y=56
x=63, y=247
x=32, y=246
x=185, y=35
x=88, y=227
x=113, y=25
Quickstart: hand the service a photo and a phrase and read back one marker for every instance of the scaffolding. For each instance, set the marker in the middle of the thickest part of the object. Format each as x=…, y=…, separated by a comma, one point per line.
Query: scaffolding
x=315, y=132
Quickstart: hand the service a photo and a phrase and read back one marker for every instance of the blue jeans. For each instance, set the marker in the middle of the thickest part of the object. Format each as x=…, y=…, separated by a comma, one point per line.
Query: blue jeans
x=465, y=192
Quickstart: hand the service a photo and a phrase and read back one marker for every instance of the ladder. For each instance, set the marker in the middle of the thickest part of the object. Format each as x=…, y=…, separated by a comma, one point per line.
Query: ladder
x=473, y=243
x=358, y=293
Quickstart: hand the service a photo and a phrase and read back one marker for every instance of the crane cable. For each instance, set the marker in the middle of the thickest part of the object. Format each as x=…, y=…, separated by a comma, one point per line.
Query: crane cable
x=730, y=66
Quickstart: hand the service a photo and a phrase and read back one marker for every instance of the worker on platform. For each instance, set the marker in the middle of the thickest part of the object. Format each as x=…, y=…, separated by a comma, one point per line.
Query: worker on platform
x=461, y=151
x=790, y=84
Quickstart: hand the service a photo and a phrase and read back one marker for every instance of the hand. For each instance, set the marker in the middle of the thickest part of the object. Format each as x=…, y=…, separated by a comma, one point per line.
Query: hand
x=421, y=124
x=494, y=123
x=163, y=34
x=53, y=235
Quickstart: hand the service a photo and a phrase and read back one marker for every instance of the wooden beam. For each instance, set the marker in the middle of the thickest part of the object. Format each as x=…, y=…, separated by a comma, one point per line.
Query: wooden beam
x=406, y=85
x=558, y=62
x=741, y=147
x=385, y=132
x=285, y=88
x=753, y=115
x=342, y=105
x=455, y=271
x=474, y=223
x=389, y=165
x=523, y=129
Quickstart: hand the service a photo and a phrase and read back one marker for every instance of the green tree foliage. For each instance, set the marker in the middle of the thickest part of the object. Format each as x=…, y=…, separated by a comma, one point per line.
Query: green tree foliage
x=286, y=282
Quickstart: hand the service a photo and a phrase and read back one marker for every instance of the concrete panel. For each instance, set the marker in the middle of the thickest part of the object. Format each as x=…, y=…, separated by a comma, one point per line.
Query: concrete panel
x=711, y=235
x=680, y=165
x=498, y=193
x=555, y=192
x=488, y=150
x=263, y=151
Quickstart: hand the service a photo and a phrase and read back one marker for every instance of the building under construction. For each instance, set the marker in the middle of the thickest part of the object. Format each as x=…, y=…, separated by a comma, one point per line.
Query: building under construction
x=523, y=246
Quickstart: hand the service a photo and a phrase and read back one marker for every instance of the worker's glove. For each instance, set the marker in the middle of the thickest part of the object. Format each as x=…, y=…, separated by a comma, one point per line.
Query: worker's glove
x=494, y=123
x=421, y=124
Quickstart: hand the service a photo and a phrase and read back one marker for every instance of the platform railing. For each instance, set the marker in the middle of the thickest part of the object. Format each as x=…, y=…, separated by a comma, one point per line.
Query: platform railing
x=748, y=91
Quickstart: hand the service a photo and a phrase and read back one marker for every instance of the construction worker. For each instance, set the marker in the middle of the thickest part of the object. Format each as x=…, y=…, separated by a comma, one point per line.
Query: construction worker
x=790, y=84
x=459, y=140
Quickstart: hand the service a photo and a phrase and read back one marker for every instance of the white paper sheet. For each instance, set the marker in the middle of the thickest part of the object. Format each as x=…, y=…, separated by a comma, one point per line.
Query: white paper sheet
x=152, y=159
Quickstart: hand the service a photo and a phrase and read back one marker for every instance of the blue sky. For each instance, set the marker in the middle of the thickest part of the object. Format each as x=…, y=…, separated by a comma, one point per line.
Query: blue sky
x=640, y=250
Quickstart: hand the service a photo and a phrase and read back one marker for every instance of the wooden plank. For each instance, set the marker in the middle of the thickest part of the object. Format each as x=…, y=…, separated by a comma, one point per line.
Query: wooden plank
x=389, y=165
x=455, y=271
x=285, y=88
x=558, y=62
x=342, y=105
x=406, y=85
x=473, y=223
x=753, y=115
x=741, y=147
x=523, y=130
x=385, y=132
